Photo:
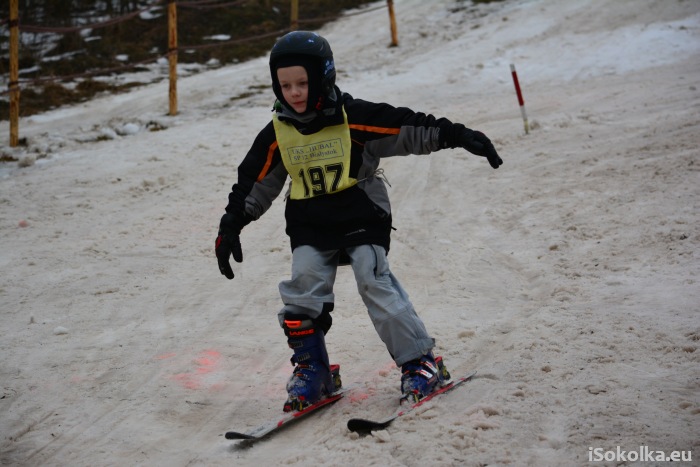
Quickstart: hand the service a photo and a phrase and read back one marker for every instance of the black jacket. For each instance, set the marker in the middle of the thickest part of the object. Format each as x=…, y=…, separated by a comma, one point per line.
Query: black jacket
x=354, y=216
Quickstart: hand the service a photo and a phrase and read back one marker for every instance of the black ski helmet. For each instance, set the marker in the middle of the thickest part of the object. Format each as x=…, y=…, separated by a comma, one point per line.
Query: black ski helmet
x=313, y=52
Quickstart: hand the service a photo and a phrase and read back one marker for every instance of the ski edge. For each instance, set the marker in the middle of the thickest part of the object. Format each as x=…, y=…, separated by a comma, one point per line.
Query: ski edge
x=365, y=426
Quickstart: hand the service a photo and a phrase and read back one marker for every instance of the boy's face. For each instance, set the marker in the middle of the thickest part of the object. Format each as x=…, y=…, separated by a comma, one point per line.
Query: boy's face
x=295, y=86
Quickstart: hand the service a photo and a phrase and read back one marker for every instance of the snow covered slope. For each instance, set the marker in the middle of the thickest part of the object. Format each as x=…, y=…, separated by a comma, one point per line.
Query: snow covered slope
x=568, y=277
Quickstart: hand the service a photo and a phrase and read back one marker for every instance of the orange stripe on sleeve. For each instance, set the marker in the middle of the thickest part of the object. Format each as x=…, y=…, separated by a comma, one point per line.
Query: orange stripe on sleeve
x=376, y=129
x=268, y=162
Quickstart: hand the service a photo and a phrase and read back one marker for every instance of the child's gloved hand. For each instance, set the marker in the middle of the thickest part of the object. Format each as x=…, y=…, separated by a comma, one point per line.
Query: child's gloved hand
x=478, y=143
x=228, y=243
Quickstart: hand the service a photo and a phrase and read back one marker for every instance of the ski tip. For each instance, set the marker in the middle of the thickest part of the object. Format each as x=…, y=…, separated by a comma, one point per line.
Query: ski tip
x=354, y=423
x=358, y=426
x=237, y=435
x=365, y=427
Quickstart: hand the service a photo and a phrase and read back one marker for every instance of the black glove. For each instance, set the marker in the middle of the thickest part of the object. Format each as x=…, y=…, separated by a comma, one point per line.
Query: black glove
x=228, y=243
x=477, y=143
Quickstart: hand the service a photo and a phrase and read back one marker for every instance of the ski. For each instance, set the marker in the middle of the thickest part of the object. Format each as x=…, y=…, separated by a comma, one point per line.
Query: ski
x=287, y=418
x=364, y=426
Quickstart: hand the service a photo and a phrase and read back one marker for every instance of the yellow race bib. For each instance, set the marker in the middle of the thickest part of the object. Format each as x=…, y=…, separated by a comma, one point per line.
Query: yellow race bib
x=319, y=164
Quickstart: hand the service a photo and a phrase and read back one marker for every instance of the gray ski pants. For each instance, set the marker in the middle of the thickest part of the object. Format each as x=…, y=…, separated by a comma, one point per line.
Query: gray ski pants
x=391, y=311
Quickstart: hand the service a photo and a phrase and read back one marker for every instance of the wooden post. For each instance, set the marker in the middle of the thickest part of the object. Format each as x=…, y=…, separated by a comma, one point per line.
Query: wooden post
x=172, y=55
x=392, y=23
x=519, y=93
x=294, y=20
x=13, y=85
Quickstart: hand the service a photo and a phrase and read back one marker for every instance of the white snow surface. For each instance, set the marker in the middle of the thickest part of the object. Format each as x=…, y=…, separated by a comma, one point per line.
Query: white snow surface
x=568, y=277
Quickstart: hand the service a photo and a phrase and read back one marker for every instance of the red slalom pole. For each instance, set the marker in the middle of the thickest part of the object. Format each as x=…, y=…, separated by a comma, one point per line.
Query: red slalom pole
x=520, y=97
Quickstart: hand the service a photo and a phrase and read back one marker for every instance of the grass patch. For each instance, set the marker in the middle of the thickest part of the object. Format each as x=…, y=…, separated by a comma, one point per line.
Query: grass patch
x=140, y=40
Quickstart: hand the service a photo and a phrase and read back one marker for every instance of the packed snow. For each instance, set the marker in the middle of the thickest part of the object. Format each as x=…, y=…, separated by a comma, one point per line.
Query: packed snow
x=568, y=277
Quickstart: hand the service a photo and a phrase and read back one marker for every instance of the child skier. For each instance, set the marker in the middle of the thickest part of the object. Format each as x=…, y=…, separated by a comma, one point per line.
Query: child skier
x=337, y=212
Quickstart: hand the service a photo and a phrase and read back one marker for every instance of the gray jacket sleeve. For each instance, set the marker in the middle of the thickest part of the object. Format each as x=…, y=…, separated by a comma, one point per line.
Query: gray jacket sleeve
x=265, y=192
x=410, y=140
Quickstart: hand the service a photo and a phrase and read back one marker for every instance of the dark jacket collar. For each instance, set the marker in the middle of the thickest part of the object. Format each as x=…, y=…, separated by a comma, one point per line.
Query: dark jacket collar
x=314, y=120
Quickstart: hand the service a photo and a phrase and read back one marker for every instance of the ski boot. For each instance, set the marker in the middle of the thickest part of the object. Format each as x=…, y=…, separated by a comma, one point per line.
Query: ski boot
x=313, y=377
x=421, y=377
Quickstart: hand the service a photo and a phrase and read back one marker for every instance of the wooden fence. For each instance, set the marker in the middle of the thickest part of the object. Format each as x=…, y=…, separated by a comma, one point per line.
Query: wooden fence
x=172, y=53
